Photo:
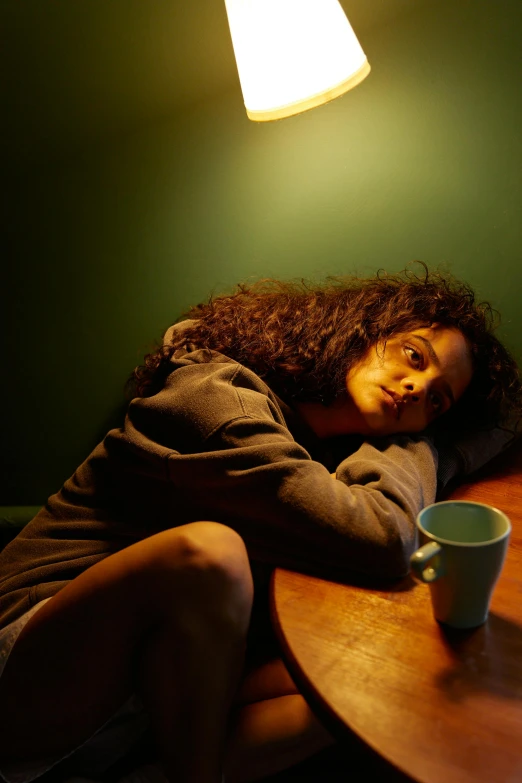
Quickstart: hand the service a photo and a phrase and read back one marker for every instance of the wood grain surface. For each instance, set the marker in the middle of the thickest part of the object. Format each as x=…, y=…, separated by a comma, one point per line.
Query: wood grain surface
x=441, y=705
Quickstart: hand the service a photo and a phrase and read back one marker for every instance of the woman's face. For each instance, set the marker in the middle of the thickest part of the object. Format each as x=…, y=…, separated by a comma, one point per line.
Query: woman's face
x=408, y=383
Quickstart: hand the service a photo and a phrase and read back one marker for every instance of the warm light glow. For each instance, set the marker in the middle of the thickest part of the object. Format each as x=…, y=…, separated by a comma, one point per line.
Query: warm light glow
x=293, y=55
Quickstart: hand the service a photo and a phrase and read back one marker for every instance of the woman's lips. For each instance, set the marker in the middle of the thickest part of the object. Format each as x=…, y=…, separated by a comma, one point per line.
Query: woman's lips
x=392, y=403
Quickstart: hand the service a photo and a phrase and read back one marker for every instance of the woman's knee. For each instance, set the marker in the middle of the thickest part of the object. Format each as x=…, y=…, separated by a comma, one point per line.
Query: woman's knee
x=201, y=567
x=214, y=541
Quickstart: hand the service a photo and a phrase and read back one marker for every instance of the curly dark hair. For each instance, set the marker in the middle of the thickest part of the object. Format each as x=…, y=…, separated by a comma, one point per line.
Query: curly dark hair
x=302, y=337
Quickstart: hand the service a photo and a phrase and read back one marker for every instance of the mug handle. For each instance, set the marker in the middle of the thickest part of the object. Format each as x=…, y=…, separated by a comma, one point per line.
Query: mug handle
x=419, y=559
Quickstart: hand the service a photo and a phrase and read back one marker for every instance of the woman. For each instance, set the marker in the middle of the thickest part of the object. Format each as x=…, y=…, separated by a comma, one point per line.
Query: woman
x=279, y=425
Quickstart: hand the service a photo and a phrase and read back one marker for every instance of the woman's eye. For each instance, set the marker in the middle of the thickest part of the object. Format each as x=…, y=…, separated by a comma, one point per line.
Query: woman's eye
x=436, y=402
x=414, y=356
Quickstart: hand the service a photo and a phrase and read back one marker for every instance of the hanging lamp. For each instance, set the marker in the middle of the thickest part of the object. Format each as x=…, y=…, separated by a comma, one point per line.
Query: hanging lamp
x=293, y=55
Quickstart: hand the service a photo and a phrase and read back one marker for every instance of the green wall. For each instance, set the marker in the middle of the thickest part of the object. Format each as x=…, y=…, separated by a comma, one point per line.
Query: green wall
x=107, y=246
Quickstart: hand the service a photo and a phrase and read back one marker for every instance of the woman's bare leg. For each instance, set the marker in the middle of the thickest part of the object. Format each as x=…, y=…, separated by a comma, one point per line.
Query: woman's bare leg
x=273, y=735
x=272, y=727
x=168, y=615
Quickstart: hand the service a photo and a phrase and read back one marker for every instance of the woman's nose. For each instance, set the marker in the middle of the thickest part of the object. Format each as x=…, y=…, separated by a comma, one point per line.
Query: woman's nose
x=413, y=391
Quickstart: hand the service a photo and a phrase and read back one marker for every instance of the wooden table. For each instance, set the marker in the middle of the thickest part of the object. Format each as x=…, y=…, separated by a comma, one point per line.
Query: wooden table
x=441, y=705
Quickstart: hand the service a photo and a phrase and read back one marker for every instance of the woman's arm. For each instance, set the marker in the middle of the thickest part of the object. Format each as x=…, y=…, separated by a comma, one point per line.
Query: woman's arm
x=468, y=453
x=290, y=511
x=231, y=457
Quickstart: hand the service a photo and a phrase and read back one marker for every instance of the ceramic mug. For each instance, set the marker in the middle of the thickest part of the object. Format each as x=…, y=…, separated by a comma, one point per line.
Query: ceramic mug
x=461, y=559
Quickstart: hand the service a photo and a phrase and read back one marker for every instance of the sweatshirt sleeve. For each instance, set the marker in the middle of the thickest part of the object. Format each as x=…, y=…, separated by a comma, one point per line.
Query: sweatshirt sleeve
x=290, y=511
x=472, y=451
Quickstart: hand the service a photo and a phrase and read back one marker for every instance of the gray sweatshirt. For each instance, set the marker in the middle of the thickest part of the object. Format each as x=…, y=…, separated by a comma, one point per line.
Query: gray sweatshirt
x=216, y=443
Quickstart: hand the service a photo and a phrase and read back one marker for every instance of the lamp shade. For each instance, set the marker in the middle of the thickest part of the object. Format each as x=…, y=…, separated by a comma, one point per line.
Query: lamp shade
x=293, y=55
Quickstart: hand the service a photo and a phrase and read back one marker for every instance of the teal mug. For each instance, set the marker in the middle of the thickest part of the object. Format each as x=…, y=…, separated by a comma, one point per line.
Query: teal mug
x=461, y=559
